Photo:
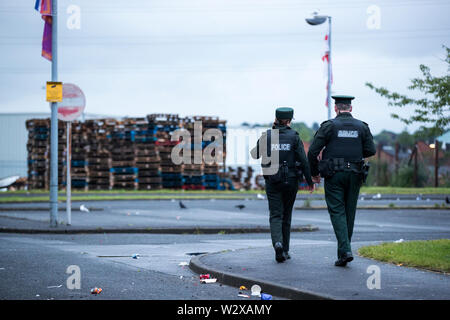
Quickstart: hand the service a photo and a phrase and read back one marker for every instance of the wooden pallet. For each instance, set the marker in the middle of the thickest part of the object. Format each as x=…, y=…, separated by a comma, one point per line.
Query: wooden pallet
x=151, y=180
x=129, y=163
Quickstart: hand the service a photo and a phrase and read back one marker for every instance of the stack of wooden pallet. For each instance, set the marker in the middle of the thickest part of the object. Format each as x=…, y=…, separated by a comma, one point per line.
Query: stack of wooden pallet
x=124, y=170
x=165, y=125
x=98, y=154
x=212, y=170
x=193, y=174
x=133, y=153
x=241, y=178
x=148, y=161
x=38, y=147
x=79, y=163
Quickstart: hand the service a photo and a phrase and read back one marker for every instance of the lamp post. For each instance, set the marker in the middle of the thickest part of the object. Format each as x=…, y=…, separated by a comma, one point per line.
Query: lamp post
x=314, y=21
x=54, y=123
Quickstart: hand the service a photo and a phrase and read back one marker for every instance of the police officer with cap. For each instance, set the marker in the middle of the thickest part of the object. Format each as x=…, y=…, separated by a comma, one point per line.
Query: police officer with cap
x=345, y=142
x=284, y=162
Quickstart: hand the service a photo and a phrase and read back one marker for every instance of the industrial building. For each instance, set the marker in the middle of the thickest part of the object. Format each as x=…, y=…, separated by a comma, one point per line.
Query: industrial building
x=13, y=141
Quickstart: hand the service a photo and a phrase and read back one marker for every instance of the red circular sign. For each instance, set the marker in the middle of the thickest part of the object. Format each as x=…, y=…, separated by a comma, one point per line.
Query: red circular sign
x=72, y=104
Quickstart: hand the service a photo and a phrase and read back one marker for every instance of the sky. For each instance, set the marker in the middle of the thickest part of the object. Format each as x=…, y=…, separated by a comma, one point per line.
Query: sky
x=236, y=59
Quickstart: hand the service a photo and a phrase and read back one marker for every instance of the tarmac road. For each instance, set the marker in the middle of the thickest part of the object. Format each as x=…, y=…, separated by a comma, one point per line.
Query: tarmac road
x=33, y=266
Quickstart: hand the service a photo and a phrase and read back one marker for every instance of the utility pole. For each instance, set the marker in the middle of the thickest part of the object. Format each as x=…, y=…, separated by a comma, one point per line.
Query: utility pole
x=54, y=123
x=314, y=21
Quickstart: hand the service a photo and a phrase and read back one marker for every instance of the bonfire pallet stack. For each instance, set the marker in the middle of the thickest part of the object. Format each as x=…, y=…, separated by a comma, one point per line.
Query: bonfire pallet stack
x=38, y=153
x=124, y=170
x=239, y=180
x=164, y=125
x=212, y=171
x=147, y=158
x=193, y=173
x=79, y=164
x=132, y=154
x=98, y=154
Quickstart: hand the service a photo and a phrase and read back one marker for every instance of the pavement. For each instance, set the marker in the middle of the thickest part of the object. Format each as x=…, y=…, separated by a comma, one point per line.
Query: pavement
x=311, y=274
x=242, y=257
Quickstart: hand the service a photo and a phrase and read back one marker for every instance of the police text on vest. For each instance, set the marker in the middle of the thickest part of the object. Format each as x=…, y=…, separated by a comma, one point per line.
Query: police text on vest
x=348, y=134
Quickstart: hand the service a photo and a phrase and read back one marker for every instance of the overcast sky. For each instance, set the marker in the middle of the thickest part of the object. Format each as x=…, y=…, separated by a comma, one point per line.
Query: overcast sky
x=236, y=59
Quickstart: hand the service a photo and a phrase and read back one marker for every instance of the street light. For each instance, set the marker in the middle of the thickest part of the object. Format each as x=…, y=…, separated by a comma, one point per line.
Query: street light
x=314, y=21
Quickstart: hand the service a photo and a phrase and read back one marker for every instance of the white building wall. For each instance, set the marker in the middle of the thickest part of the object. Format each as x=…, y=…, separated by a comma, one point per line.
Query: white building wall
x=13, y=142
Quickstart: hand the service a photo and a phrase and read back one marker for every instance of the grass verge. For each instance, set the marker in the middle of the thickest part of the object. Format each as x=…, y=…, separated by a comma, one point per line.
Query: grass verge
x=21, y=199
x=431, y=255
x=368, y=190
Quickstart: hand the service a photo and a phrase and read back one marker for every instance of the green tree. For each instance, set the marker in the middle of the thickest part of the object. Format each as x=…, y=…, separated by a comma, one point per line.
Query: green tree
x=305, y=133
x=432, y=109
x=405, y=176
x=405, y=140
x=385, y=137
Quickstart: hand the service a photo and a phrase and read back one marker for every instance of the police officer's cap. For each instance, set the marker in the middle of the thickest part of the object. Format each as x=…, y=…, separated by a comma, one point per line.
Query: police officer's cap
x=342, y=99
x=284, y=113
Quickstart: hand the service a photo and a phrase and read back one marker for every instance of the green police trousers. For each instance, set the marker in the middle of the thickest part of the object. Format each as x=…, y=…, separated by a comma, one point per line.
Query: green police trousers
x=341, y=195
x=281, y=201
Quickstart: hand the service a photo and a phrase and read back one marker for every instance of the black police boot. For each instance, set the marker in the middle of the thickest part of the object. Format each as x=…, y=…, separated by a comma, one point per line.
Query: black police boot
x=286, y=255
x=342, y=261
x=279, y=252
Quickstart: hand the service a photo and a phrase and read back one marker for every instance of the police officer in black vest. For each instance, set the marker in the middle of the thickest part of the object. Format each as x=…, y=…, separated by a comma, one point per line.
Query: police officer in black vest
x=284, y=162
x=347, y=141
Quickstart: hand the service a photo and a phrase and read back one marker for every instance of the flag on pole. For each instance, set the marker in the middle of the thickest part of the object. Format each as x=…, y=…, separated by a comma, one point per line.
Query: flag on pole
x=45, y=8
x=326, y=60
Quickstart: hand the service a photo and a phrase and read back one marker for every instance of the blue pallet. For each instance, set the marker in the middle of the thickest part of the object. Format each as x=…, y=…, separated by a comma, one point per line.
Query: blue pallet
x=41, y=137
x=172, y=175
x=78, y=163
x=194, y=180
x=79, y=183
x=145, y=139
x=212, y=177
x=149, y=132
x=124, y=170
x=169, y=184
x=40, y=129
x=212, y=183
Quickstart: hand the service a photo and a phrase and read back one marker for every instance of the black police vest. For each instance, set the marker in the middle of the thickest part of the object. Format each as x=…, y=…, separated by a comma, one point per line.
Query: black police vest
x=346, y=141
x=284, y=147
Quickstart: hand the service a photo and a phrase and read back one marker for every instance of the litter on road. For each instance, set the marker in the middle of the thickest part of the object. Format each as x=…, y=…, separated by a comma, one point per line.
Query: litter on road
x=243, y=295
x=208, y=280
x=265, y=296
x=50, y=287
x=96, y=290
x=205, y=276
x=243, y=288
x=399, y=241
x=83, y=208
x=256, y=290
x=184, y=263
